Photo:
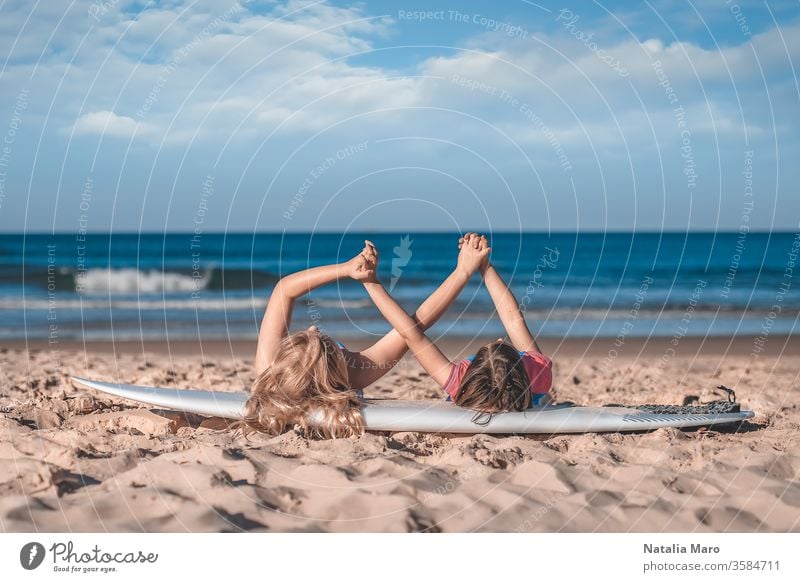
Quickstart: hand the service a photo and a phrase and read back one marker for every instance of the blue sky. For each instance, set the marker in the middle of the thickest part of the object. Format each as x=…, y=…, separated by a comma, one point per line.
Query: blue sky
x=217, y=115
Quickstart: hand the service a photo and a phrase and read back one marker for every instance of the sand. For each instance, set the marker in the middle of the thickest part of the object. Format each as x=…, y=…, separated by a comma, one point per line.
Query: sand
x=72, y=460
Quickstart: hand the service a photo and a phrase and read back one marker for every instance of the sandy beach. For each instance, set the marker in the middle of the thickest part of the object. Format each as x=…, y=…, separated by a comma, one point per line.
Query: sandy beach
x=76, y=461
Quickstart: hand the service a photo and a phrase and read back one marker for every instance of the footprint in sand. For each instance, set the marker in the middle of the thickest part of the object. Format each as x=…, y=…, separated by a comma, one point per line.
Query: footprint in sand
x=728, y=519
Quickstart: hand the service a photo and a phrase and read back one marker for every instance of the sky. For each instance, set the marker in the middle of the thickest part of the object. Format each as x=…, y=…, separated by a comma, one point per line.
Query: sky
x=201, y=116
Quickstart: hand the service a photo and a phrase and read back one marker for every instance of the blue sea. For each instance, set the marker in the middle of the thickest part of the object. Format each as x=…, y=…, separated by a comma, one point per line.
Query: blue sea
x=215, y=286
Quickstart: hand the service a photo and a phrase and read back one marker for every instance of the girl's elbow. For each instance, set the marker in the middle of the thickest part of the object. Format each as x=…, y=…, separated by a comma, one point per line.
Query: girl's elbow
x=280, y=286
x=284, y=289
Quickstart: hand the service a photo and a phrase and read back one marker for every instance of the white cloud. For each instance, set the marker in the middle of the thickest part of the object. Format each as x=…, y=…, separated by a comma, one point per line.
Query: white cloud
x=568, y=86
x=107, y=123
x=307, y=67
x=175, y=67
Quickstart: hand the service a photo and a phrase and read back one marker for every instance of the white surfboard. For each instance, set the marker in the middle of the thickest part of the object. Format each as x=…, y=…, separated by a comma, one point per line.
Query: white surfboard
x=433, y=416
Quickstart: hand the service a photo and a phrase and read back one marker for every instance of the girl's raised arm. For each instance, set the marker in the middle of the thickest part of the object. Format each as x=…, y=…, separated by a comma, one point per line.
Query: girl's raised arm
x=508, y=309
x=278, y=315
x=429, y=356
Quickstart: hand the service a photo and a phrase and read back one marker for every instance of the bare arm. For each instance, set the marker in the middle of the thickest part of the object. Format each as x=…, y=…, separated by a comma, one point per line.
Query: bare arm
x=426, y=352
x=508, y=310
x=375, y=361
x=278, y=315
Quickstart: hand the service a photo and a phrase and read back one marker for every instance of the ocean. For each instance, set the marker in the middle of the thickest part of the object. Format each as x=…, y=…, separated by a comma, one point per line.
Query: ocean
x=181, y=286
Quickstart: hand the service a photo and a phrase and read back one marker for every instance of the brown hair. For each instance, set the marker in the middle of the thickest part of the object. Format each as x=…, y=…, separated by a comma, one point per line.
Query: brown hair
x=307, y=384
x=495, y=381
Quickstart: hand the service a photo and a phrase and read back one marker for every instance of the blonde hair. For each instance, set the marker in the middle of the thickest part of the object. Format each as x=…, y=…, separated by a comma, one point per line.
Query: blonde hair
x=307, y=384
x=495, y=381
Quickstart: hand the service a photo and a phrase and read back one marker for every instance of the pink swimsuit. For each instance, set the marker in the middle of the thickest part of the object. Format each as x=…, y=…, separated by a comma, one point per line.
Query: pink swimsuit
x=538, y=366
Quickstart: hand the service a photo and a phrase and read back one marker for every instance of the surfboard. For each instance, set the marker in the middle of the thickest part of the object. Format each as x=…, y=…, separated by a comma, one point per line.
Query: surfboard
x=433, y=416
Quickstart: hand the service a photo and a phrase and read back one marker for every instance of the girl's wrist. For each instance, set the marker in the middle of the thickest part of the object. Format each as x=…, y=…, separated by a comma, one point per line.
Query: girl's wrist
x=463, y=271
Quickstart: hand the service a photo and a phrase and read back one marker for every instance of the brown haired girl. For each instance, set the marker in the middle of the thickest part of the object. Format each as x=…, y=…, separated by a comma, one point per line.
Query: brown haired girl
x=307, y=371
x=499, y=377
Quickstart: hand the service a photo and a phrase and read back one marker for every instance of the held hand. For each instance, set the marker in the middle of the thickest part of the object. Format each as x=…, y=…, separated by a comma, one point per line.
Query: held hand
x=486, y=249
x=370, y=252
x=474, y=253
x=362, y=270
x=363, y=267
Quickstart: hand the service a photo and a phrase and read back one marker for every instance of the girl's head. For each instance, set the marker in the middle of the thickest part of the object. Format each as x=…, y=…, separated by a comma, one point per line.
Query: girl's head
x=495, y=381
x=308, y=375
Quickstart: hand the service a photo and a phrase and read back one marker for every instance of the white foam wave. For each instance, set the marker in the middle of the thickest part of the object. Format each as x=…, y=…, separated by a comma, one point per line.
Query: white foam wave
x=134, y=281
